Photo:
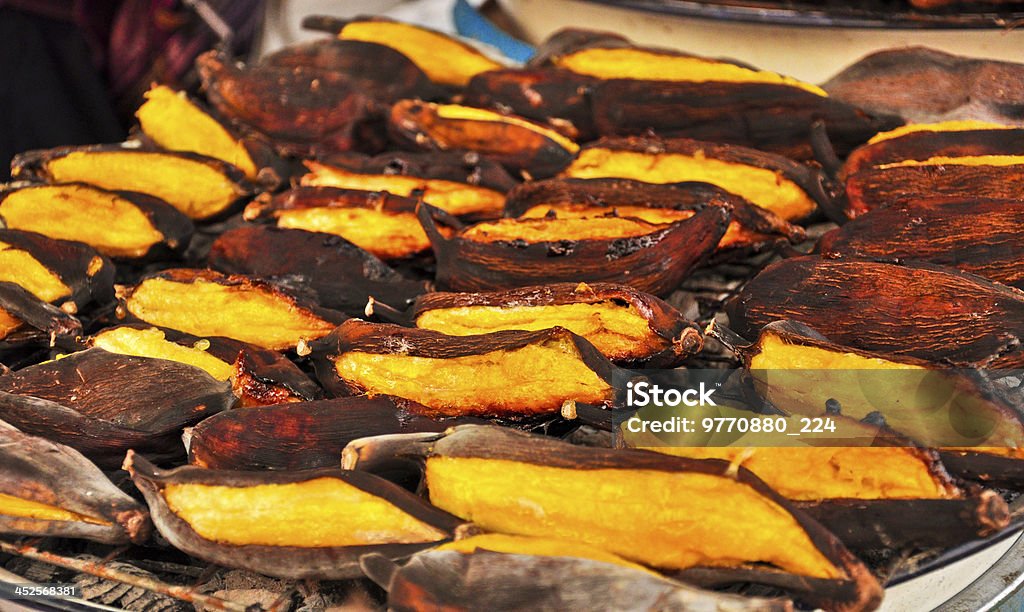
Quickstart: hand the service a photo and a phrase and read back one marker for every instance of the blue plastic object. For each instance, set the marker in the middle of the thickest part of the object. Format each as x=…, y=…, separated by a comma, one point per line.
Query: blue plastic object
x=471, y=24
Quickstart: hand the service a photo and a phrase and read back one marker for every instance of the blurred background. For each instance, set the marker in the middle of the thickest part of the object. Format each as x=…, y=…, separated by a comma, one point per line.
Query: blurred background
x=75, y=70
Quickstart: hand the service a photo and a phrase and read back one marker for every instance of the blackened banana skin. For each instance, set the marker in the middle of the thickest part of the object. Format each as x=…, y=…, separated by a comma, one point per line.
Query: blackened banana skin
x=473, y=447
x=751, y=228
x=930, y=312
x=559, y=98
x=654, y=263
x=677, y=338
x=384, y=73
x=879, y=187
x=302, y=110
x=341, y=275
x=44, y=472
x=483, y=579
x=107, y=169
x=101, y=404
x=983, y=237
x=518, y=144
x=776, y=118
x=925, y=144
x=282, y=561
x=299, y=436
x=172, y=226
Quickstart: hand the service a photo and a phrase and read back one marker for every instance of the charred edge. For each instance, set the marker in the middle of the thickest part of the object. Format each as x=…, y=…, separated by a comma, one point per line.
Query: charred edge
x=895, y=523
x=173, y=225
x=71, y=262
x=654, y=263
x=988, y=468
x=301, y=435
x=51, y=321
x=378, y=487
x=466, y=167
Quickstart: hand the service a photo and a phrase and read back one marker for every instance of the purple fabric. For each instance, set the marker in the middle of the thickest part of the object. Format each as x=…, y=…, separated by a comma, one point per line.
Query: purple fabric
x=139, y=31
x=159, y=40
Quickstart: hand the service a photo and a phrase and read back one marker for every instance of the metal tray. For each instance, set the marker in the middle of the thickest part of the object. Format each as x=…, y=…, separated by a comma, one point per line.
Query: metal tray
x=871, y=14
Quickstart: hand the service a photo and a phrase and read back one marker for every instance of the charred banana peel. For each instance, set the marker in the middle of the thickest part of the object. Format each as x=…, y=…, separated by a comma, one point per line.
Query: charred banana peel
x=152, y=342
x=511, y=253
x=258, y=376
x=206, y=303
x=513, y=374
x=446, y=60
x=628, y=327
x=341, y=275
x=991, y=466
x=790, y=190
x=800, y=371
x=102, y=404
x=300, y=110
x=640, y=89
x=924, y=311
x=306, y=524
x=69, y=274
x=976, y=235
x=624, y=61
x=925, y=85
x=878, y=187
x=377, y=222
x=536, y=546
x=503, y=480
x=750, y=229
x=446, y=579
x=122, y=225
x=953, y=158
x=48, y=489
x=953, y=142
x=377, y=69
x=25, y=319
x=444, y=180
x=299, y=436
x=200, y=187
x=44, y=282
x=555, y=97
x=173, y=121
x=517, y=143
x=870, y=496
